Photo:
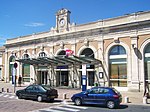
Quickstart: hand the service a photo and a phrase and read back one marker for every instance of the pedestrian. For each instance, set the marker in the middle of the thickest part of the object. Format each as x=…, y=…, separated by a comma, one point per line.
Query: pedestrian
x=146, y=91
x=19, y=80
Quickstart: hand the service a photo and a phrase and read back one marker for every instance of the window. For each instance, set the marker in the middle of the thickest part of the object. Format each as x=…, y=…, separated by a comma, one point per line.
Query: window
x=118, y=66
x=11, y=66
x=26, y=72
x=42, y=54
x=25, y=56
x=147, y=63
x=117, y=50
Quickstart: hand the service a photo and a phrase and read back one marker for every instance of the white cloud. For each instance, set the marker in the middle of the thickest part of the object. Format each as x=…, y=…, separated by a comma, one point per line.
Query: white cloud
x=3, y=38
x=34, y=24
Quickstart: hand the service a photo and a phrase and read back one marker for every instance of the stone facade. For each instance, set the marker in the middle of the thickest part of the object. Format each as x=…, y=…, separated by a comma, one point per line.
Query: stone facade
x=131, y=32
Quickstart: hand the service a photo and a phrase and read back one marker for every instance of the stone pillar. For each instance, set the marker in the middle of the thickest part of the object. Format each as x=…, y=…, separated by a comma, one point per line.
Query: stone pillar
x=134, y=84
x=101, y=58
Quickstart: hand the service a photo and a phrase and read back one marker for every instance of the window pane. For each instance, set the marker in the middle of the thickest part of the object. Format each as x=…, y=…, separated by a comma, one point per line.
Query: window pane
x=117, y=73
x=117, y=50
x=147, y=49
x=147, y=69
x=26, y=72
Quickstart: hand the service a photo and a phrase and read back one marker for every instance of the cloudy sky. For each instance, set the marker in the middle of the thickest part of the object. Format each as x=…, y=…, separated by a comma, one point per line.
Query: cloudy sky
x=24, y=17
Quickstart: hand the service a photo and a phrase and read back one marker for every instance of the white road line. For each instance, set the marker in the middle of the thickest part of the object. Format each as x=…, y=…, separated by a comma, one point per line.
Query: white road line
x=6, y=96
x=56, y=103
x=73, y=106
x=68, y=109
x=50, y=110
x=1, y=95
x=11, y=96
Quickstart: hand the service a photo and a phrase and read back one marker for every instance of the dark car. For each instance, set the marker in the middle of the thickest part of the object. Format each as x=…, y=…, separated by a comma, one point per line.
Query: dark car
x=37, y=92
x=107, y=96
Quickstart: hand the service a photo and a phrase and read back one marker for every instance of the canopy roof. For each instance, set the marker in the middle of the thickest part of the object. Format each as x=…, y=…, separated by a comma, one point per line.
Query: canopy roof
x=60, y=60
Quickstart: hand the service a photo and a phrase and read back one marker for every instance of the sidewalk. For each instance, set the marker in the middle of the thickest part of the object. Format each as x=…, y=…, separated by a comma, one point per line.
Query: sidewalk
x=134, y=97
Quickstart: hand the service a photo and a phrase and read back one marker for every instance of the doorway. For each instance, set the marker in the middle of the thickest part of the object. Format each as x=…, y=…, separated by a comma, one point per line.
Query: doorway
x=62, y=78
x=42, y=77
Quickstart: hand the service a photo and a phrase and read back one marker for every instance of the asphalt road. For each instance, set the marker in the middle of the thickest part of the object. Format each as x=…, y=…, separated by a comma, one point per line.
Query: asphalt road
x=10, y=103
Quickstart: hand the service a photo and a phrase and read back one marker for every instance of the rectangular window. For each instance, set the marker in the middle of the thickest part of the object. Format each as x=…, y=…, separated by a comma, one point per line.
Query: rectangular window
x=26, y=72
x=118, y=74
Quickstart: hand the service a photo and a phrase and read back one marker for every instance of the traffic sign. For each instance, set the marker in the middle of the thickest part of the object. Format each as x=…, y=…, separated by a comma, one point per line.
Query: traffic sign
x=15, y=65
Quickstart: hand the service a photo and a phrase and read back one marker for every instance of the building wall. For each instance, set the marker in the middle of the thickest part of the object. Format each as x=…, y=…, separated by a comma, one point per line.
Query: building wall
x=100, y=37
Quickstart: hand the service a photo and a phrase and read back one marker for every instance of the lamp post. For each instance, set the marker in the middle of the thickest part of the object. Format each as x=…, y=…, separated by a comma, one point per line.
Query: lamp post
x=15, y=66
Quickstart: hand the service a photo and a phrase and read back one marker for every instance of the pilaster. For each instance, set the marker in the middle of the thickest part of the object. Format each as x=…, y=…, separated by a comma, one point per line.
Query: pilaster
x=134, y=85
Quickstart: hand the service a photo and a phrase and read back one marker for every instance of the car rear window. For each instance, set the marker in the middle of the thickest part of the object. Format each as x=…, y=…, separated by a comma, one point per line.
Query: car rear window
x=47, y=87
x=117, y=92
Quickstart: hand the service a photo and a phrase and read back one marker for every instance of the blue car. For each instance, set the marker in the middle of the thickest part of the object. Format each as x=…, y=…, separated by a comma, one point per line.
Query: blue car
x=106, y=96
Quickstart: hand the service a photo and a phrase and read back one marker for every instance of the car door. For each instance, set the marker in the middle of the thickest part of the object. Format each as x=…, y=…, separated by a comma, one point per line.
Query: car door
x=89, y=97
x=28, y=92
x=31, y=92
x=102, y=96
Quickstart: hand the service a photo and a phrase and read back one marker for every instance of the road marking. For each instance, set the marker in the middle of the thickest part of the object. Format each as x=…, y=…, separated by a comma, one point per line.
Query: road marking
x=56, y=103
x=1, y=95
x=6, y=96
x=72, y=106
x=51, y=110
x=68, y=109
x=11, y=97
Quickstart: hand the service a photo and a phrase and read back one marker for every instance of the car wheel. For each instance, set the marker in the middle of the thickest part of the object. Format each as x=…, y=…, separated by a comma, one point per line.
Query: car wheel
x=52, y=100
x=39, y=98
x=111, y=104
x=19, y=96
x=78, y=101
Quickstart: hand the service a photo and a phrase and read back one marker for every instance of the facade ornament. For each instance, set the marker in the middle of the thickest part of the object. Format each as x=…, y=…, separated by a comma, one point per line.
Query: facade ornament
x=61, y=45
x=42, y=48
x=86, y=42
x=116, y=40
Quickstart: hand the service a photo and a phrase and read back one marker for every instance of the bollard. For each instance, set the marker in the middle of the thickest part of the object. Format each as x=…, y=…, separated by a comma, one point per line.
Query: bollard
x=126, y=99
x=7, y=90
x=2, y=89
x=144, y=100
x=64, y=96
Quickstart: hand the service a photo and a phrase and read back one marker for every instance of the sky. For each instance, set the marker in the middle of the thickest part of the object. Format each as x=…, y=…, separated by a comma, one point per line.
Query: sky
x=25, y=17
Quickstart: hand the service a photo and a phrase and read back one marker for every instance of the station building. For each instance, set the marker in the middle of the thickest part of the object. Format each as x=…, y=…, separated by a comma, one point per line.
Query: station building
x=115, y=51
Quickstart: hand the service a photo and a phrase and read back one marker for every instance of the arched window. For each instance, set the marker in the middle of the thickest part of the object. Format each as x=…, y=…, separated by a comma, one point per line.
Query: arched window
x=42, y=54
x=11, y=66
x=88, y=52
x=118, y=66
x=25, y=56
x=117, y=50
x=62, y=76
x=147, y=62
x=26, y=70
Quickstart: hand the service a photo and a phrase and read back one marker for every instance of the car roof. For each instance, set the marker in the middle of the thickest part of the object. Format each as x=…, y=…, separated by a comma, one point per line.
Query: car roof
x=103, y=87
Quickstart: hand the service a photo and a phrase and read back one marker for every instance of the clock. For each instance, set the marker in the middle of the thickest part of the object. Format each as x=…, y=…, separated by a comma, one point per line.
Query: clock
x=62, y=22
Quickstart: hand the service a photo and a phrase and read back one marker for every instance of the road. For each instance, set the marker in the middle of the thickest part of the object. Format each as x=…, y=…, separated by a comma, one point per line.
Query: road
x=10, y=103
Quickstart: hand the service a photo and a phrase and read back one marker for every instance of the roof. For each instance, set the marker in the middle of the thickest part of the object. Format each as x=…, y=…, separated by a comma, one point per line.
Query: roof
x=60, y=60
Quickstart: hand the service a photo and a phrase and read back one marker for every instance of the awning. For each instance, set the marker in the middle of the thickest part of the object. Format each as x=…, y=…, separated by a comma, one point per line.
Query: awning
x=60, y=60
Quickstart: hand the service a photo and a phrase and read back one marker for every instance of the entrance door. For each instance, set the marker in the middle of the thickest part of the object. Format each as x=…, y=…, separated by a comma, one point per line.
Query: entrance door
x=90, y=78
x=62, y=78
x=42, y=77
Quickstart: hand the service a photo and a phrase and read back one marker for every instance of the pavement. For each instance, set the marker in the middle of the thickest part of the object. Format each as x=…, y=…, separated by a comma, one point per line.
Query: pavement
x=66, y=93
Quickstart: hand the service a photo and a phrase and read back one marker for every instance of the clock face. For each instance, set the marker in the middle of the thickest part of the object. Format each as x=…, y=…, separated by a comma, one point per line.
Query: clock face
x=62, y=22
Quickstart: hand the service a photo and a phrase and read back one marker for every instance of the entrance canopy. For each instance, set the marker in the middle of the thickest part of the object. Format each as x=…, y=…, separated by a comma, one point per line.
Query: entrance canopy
x=60, y=60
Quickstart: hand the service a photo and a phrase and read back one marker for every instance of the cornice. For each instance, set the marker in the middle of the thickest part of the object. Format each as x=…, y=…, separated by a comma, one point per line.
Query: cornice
x=85, y=33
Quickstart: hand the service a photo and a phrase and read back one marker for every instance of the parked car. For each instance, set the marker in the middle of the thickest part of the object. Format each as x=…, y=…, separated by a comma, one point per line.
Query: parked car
x=37, y=92
x=106, y=96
